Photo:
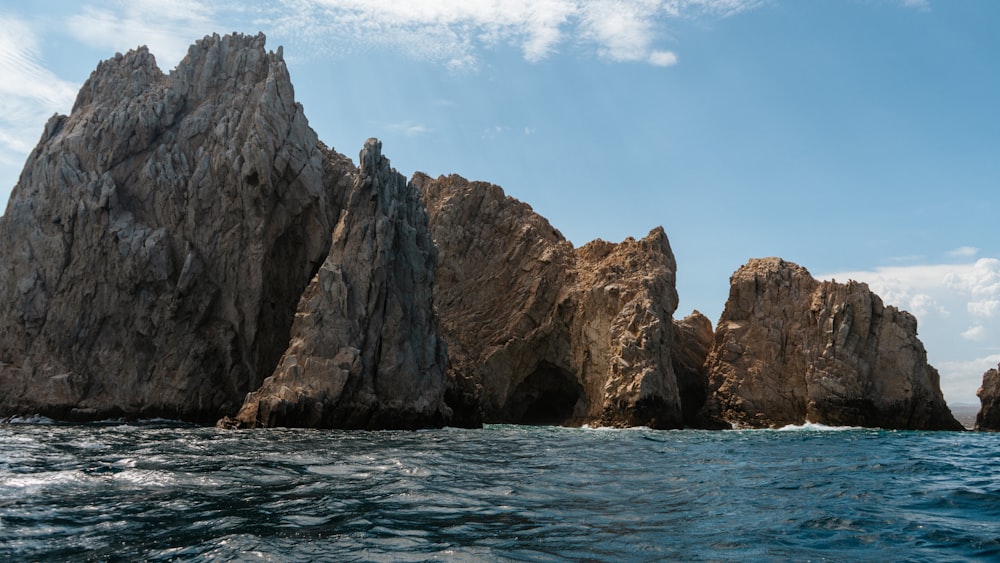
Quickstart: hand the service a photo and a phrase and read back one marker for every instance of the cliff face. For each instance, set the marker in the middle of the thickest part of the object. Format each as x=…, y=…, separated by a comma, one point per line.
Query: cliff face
x=790, y=349
x=160, y=236
x=989, y=398
x=365, y=350
x=540, y=332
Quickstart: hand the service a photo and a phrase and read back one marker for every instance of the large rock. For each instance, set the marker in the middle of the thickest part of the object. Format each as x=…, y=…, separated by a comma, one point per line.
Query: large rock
x=989, y=398
x=789, y=349
x=540, y=332
x=365, y=350
x=160, y=236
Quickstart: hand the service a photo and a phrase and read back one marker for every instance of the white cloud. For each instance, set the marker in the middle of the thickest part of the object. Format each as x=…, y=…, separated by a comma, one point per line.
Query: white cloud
x=975, y=333
x=29, y=93
x=964, y=252
x=456, y=31
x=662, y=58
x=984, y=308
x=410, y=128
x=922, y=5
x=167, y=27
x=720, y=8
x=961, y=379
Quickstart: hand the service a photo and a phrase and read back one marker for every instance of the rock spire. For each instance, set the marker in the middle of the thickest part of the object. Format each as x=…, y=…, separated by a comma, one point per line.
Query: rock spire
x=160, y=235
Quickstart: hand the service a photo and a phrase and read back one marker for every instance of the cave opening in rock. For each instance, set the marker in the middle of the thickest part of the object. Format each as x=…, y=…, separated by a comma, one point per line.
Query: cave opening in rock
x=548, y=396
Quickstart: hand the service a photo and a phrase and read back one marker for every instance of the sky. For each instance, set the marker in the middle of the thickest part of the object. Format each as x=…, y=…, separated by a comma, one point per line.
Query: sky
x=857, y=138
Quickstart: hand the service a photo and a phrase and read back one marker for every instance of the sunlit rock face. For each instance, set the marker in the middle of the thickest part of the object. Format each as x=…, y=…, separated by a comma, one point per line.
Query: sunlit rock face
x=365, y=350
x=989, y=398
x=159, y=238
x=542, y=333
x=790, y=349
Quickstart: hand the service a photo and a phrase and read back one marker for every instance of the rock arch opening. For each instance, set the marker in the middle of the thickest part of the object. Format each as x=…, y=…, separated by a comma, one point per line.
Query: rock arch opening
x=547, y=397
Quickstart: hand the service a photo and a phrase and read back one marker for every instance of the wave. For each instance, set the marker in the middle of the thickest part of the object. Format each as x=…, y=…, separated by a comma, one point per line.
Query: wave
x=816, y=427
x=33, y=419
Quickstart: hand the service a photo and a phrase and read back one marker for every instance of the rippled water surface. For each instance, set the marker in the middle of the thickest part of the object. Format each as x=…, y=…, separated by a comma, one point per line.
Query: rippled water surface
x=169, y=492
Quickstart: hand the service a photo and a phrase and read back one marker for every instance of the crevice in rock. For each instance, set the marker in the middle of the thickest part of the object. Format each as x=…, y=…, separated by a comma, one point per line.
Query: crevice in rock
x=547, y=397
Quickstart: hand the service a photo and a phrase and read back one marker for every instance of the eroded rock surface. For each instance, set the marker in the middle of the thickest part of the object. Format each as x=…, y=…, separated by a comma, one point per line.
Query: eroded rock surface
x=790, y=349
x=365, y=350
x=988, y=417
x=160, y=236
x=542, y=333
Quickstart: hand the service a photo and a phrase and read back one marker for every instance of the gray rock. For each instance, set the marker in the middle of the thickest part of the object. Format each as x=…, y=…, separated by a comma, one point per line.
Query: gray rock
x=365, y=350
x=160, y=236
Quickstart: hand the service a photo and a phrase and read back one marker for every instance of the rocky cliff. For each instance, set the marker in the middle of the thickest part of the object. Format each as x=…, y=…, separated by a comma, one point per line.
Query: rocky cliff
x=988, y=417
x=542, y=333
x=365, y=350
x=790, y=349
x=160, y=236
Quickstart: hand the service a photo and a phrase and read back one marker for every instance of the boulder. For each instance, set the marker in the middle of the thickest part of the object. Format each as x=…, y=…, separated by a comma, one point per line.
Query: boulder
x=790, y=349
x=158, y=240
x=365, y=349
x=540, y=332
x=988, y=417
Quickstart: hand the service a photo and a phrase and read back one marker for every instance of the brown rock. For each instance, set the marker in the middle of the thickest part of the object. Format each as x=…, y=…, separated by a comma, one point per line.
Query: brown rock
x=540, y=333
x=790, y=349
x=365, y=351
x=689, y=351
x=160, y=236
x=989, y=399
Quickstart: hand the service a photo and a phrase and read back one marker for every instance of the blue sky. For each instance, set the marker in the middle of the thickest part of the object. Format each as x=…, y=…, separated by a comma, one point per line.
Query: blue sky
x=858, y=138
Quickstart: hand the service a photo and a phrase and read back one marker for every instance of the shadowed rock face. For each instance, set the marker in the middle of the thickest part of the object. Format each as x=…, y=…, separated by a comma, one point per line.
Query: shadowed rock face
x=989, y=398
x=790, y=349
x=540, y=332
x=365, y=350
x=160, y=236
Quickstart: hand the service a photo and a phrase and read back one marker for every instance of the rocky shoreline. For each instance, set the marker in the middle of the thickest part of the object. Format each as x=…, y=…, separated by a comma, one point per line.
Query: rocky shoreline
x=182, y=245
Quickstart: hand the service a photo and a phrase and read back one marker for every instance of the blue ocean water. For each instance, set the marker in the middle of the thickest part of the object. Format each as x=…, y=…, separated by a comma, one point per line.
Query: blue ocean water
x=164, y=492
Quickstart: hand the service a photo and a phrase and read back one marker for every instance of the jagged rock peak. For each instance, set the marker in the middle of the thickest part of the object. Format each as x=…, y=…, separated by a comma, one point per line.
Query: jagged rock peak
x=790, y=349
x=365, y=349
x=161, y=235
x=988, y=417
x=540, y=332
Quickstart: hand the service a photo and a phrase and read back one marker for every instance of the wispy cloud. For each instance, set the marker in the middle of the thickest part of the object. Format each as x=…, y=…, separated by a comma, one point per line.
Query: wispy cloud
x=922, y=5
x=410, y=128
x=29, y=92
x=167, y=27
x=964, y=252
x=456, y=32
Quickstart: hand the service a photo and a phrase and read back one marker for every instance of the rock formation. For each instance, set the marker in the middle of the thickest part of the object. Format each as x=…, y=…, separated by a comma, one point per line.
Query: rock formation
x=160, y=236
x=988, y=417
x=689, y=350
x=790, y=349
x=365, y=350
x=542, y=333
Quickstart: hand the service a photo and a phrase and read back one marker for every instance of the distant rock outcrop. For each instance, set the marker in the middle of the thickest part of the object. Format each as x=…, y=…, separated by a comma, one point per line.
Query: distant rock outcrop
x=542, y=333
x=789, y=349
x=365, y=350
x=160, y=236
x=989, y=398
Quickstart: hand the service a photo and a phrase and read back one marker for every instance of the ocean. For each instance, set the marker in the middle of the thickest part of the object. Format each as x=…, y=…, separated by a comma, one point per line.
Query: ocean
x=163, y=491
